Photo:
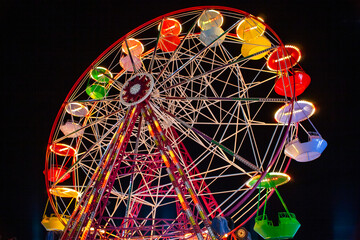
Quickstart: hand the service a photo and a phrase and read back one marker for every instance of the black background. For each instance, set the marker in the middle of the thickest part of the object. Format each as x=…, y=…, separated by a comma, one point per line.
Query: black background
x=46, y=45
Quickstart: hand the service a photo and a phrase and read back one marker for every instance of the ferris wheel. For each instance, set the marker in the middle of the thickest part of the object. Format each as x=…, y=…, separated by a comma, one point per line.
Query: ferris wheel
x=182, y=121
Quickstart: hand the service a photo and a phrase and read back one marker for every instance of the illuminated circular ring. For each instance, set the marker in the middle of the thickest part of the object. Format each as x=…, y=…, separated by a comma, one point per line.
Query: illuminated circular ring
x=250, y=28
x=283, y=58
x=210, y=18
x=271, y=180
x=76, y=109
x=170, y=27
x=64, y=192
x=101, y=74
x=302, y=110
x=63, y=149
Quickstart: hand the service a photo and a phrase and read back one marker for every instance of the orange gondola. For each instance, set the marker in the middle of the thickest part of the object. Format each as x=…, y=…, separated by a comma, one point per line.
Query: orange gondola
x=169, y=43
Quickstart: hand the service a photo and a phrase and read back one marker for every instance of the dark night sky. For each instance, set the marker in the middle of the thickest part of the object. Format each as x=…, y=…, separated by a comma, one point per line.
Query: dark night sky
x=46, y=45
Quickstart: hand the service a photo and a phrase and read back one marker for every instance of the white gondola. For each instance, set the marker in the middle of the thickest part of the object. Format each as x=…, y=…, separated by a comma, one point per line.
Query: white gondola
x=128, y=63
x=71, y=129
x=210, y=35
x=306, y=151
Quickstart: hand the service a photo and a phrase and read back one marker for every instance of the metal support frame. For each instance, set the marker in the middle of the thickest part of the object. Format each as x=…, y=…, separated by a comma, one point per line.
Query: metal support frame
x=88, y=215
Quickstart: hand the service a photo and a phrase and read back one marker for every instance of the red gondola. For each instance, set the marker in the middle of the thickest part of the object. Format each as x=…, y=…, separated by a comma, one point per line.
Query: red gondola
x=284, y=84
x=55, y=172
x=169, y=43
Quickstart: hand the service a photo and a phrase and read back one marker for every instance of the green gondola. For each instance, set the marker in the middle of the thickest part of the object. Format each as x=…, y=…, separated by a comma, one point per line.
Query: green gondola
x=288, y=224
x=96, y=91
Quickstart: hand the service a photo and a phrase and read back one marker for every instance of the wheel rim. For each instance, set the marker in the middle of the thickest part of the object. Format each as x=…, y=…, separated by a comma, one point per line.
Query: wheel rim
x=209, y=101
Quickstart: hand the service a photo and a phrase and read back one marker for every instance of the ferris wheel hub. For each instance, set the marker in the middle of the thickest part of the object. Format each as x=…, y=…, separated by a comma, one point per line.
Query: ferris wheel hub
x=136, y=89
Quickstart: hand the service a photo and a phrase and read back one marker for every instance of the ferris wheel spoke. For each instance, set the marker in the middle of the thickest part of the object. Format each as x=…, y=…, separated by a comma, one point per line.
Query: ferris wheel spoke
x=155, y=49
x=131, y=181
x=219, y=68
x=92, y=101
x=191, y=29
x=79, y=161
x=135, y=69
x=240, y=99
x=209, y=139
x=254, y=147
x=201, y=51
x=232, y=199
x=97, y=121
